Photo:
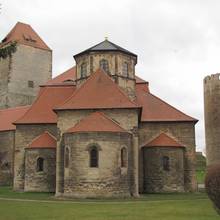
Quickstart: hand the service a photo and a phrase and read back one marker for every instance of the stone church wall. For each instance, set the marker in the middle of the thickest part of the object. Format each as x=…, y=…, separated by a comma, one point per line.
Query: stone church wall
x=184, y=132
x=156, y=178
x=23, y=136
x=109, y=179
x=6, y=157
x=40, y=181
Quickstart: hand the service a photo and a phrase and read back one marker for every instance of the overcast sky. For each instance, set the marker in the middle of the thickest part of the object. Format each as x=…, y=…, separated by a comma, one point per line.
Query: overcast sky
x=177, y=41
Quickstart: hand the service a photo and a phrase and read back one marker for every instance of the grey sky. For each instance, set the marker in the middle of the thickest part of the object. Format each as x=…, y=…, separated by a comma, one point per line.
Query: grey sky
x=177, y=42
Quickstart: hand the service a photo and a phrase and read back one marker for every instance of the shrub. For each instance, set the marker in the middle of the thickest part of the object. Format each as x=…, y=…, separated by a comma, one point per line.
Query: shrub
x=212, y=185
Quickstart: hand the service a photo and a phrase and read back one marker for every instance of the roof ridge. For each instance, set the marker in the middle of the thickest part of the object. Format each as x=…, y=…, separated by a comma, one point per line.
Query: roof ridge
x=194, y=119
x=110, y=119
x=171, y=137
x=88, y=80
x=44, y=132
x=38, y=97
x=14, y=108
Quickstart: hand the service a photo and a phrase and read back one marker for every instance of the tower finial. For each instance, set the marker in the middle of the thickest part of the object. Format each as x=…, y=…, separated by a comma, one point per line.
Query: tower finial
x=106, y=38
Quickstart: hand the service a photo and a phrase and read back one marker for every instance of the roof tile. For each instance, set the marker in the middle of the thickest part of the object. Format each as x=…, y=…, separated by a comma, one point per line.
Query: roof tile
x=98, y=92
x=24, y=34
x=163, y=140
x=45, y=140
x=96, y=122
x=155, y=109
x=8, y=116
x=41, y=111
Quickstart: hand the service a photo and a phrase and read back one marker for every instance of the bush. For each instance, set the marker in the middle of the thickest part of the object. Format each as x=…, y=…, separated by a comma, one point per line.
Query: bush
x=212, y=185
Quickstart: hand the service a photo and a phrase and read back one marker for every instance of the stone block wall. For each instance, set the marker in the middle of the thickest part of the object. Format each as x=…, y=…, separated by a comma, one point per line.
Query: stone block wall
x=127, y=118
x=212, y=118
x=40, y=181
x=6, y=157
x=21, y=75
x=115, y=61
x=184, y=132
x=109, y=179
x=156, y=179
x=23, y=136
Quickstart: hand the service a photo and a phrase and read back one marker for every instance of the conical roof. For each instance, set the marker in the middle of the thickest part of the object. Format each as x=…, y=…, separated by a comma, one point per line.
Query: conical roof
x=24, y=34
x=96, y=122
x=106, y=46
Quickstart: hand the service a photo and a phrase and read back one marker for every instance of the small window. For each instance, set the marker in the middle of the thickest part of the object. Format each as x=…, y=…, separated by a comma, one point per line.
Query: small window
x=166, y=163
x=123, y=157
x=104, y=65
x=125, y=69
x=31, y=84
x=83, y=70
x=67, y=157
x=40, y=164
x=94, y=157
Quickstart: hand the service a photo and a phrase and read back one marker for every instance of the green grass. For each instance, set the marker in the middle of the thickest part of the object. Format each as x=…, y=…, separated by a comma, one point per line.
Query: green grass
x=200, y=176
x=151, y=207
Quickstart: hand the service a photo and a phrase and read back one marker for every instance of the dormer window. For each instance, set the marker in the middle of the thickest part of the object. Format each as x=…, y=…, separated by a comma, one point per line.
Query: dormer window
x=83, y=70
x=125, y=69
x=104, y=65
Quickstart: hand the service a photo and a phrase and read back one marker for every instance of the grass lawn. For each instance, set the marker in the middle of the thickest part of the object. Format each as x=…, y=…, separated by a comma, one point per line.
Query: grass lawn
x=43, y=206
x=200, y=176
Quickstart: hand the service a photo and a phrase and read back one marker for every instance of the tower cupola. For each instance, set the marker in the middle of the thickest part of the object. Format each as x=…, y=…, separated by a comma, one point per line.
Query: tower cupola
x=116, y=61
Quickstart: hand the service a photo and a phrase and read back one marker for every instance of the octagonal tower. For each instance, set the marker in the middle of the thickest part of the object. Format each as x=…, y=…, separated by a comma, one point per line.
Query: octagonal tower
x=116, y=61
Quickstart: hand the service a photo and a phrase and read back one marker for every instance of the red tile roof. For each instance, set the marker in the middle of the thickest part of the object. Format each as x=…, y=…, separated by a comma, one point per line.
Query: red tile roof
x=45, y=140
x=98, y=92
x=70, y=74
x=155, y=109
x=42, y=109
x=8, y=116
x=96, y=122
x=24, y=34
x=139, y=80
x=163, y=140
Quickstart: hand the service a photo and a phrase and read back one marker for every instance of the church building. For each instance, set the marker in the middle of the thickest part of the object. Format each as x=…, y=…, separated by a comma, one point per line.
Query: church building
x=95, y=130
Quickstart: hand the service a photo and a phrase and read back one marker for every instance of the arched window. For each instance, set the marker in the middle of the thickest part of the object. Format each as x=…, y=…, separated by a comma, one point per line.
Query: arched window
x=166, y=163
x=125, y=69
x=104, y=65
x=94, y=157
x=40, y=164
x=83, y=70
x=123, y=157
x=67, y=157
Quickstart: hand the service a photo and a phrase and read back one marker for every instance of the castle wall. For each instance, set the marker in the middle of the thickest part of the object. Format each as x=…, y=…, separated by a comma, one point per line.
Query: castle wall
x=23, y=136
x=5, y=65
x=6, y=157
x=212, y=118
x=158, y=180
x=184, y=132
x=22, y=74
x=109, y=179
x=40, y=181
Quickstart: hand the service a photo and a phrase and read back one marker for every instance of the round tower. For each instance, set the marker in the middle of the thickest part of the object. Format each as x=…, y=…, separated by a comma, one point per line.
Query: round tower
x=212, y=117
